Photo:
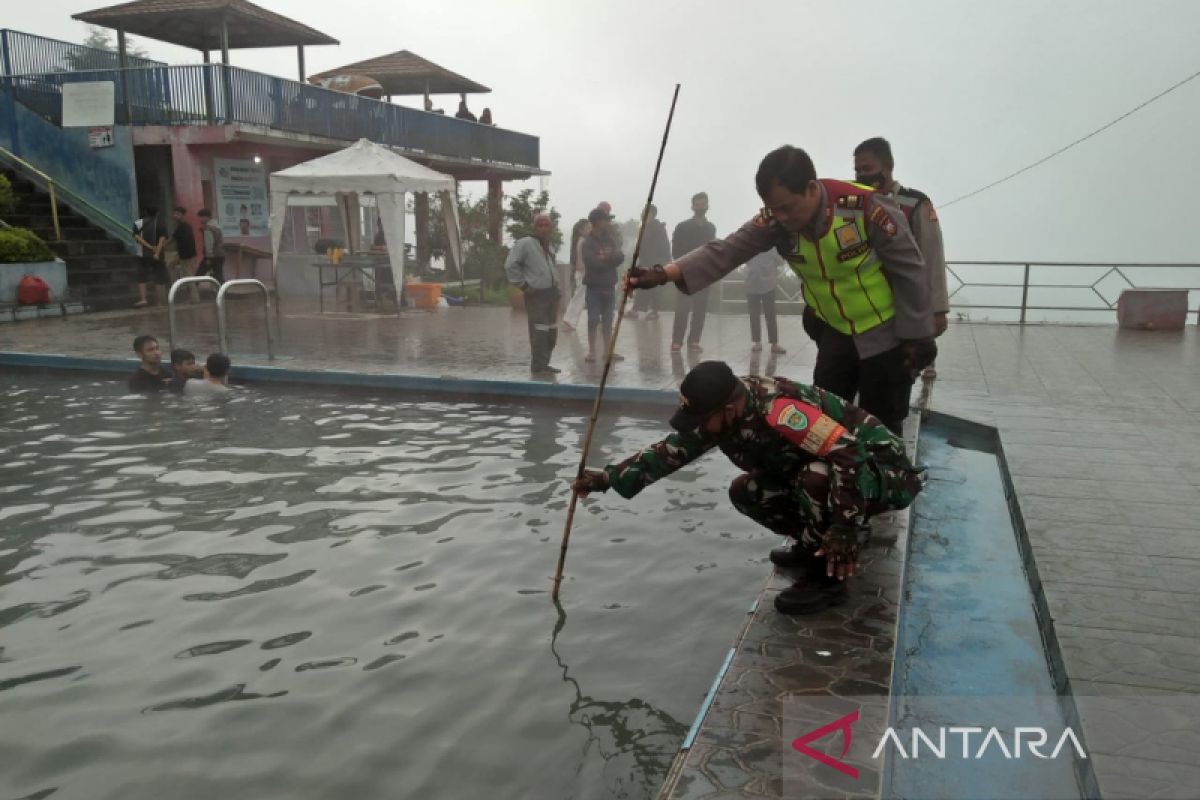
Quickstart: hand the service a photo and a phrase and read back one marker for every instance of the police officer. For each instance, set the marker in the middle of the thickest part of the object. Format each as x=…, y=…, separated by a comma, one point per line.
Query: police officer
x=816, y=469
x=873, y=165
x=862, y=274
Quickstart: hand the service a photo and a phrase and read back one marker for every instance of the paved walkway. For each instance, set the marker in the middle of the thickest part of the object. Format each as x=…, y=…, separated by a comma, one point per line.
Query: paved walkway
x=1100, y=427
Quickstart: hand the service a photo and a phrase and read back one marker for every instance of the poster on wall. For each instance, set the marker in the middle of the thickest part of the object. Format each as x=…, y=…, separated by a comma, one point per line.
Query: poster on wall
x=241, y=188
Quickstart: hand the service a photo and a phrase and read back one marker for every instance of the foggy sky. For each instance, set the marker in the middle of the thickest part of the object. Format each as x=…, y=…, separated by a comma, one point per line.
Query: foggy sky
x=966, y=90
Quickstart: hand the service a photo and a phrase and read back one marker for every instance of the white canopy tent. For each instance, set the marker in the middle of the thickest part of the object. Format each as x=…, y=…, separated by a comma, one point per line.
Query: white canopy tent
x=365, y=168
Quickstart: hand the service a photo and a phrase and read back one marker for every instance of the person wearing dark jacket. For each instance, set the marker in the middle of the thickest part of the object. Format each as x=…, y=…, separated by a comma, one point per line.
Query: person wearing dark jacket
x=689, y=235
x=601, y=257
x=150, y=376
x=656, y=249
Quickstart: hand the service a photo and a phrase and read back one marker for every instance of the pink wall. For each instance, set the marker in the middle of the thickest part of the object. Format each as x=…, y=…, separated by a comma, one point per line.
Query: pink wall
x=193, y=149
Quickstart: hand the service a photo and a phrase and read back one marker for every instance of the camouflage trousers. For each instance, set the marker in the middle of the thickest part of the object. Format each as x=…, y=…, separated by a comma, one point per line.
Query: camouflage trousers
x=798, y=508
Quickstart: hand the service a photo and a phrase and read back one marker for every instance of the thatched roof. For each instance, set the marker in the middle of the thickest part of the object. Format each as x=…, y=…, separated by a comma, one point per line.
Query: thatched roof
x=403, y=72
x=197, y=23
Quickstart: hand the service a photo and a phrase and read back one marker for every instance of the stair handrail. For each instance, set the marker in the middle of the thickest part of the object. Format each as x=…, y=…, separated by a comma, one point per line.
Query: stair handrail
x=13, y=157
x=55, y=188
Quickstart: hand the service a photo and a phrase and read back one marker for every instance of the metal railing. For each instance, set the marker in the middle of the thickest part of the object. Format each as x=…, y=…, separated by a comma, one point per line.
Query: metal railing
x=1016, y=289
x=24, y=53
x=209, y=94
x=76, y=202
x=171, y=326
x=222, y=328
x=1049, y=286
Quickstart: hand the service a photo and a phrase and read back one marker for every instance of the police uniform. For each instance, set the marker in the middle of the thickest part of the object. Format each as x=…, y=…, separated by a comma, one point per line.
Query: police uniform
x=811, y=461
x=865, y=280
x=927, y=230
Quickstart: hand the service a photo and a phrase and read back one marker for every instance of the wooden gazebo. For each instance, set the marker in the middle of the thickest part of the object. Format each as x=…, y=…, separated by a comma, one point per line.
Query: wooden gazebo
x=205, y=25
x=406, y=73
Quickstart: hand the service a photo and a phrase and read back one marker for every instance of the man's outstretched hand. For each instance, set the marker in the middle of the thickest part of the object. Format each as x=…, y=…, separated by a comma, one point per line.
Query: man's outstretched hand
x=593, y=480
x=646, y=277
x=840, y=548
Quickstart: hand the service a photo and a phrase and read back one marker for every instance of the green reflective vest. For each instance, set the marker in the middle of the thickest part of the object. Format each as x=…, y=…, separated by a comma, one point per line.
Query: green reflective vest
x=843, y=277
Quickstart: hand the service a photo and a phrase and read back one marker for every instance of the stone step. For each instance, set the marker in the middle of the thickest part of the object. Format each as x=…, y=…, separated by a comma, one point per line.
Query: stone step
x=25, y=219
x=87, y=247
x=71, y=234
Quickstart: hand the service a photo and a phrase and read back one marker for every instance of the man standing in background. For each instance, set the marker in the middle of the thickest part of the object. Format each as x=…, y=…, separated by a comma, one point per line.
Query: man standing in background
x=656, y=249
x=214, y=247
x=689, y=235
x=873, y=165
x=530, y=268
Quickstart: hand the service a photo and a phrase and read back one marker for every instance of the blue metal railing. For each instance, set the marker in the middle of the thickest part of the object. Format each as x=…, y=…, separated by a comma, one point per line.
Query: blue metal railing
x=209, y=94
x=25, y=53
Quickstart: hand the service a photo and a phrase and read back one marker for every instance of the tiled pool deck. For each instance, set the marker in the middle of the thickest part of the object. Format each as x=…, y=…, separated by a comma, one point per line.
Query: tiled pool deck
x=1101, y=432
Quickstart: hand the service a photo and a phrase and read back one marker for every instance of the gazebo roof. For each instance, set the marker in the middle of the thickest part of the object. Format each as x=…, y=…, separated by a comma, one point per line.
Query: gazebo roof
x=197, y=23
x=403, y=72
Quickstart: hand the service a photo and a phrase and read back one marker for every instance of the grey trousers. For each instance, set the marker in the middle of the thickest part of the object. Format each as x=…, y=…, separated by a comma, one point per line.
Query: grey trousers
x=541, y=310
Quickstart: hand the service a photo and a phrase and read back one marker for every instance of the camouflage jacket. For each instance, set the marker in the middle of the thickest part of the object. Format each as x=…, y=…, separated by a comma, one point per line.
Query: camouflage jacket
x=784, y=427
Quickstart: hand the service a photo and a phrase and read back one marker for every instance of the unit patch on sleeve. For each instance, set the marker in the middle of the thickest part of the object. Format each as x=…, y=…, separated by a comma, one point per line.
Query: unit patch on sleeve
x=882, y=219
x=804, y=425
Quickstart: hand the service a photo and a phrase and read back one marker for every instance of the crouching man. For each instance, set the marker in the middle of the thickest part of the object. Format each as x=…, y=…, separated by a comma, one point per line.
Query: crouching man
x=815, y=469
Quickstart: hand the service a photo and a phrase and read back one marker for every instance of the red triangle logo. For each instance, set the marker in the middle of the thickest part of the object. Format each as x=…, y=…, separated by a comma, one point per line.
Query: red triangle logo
x=800, y=743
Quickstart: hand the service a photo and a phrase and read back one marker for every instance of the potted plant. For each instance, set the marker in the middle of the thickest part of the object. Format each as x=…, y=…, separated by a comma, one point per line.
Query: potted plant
x=23, y=253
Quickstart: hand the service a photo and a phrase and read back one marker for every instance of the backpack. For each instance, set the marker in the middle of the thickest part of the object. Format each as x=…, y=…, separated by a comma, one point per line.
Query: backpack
x=33, y=291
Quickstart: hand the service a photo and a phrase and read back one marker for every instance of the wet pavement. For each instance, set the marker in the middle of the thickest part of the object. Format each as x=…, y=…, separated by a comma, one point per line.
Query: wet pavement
x=1100, y=429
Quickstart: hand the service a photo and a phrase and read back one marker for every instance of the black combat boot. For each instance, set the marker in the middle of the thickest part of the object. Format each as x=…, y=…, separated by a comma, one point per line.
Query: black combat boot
x=813, y=590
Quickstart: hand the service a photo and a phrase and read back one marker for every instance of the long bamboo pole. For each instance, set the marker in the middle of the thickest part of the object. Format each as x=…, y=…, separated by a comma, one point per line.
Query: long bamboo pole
x=612, y=343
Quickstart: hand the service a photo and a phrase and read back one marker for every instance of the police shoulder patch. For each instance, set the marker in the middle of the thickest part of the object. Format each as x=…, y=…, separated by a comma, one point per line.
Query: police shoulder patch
x=804, y=425
x=883, y=220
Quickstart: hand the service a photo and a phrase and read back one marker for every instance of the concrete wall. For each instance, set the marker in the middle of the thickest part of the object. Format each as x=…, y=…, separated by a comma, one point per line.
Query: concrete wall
x=54, y=273
x=103, y=176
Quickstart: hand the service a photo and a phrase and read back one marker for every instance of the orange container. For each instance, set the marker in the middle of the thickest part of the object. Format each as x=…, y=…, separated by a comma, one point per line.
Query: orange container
x=424, y=295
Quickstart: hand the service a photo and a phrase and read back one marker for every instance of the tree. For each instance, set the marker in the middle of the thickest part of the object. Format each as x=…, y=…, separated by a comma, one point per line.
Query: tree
x=484, y=259
x=521, y=211
x=101, y=39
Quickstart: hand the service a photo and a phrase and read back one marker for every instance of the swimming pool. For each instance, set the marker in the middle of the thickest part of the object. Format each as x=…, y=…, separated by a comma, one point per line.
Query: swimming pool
x=325, y=594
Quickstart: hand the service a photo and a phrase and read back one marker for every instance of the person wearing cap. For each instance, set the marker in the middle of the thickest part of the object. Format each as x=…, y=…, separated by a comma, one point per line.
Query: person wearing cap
x=601, y=257
x=816, y=469
x=861, y=270
x=691, y=306
x=530, y=267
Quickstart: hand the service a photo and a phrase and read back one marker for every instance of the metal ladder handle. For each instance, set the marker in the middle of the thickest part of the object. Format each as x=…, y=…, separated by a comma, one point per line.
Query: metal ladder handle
x=171, y=301
x=221, y=328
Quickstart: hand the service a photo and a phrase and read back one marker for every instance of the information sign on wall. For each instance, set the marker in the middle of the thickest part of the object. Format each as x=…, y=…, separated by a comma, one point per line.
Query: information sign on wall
x=89, y=104
x=241, y=189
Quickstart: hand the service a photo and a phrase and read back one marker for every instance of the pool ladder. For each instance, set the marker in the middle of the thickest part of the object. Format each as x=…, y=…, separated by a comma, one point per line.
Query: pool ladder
x=222, y=327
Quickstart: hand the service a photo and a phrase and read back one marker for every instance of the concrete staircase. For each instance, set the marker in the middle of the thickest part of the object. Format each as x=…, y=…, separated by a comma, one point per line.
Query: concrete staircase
x=100, y=271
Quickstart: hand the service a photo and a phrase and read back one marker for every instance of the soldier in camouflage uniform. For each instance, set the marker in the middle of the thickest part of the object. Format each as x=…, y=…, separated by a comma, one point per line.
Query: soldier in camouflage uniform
x=816, y=469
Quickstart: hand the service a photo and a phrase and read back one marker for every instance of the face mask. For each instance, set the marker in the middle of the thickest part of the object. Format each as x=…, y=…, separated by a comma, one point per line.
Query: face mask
x=874, y=179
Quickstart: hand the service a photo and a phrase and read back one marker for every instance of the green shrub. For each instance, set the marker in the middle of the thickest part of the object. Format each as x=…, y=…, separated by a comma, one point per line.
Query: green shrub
x=21, y=245
x=7, y=201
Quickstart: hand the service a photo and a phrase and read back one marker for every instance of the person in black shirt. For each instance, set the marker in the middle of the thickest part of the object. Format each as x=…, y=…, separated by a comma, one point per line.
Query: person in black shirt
x=150, y=376
x=689, y=235
x=152, y=236
x=183, y=364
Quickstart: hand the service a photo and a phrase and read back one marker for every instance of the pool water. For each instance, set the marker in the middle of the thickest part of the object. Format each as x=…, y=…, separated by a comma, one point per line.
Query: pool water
x=309, y=594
